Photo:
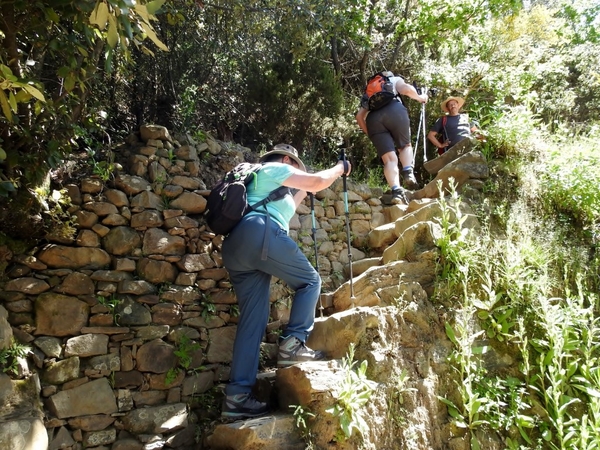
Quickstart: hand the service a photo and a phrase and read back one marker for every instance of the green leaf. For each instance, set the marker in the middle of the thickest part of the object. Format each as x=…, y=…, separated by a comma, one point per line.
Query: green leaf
x=69, y=82
x=450, y=333
x=474, y=443
x=108, y=59
x=5, y=70
x=547, y=435
x=51, y=14
x=142, y=11
x=548, y=357
x=483, y=315
x=83, y=51
x=100, y=15
x=112, y=37
x=6, y=187
x=153, y=6
x=63, y=71
x=455, y=413
x=589, y=390
x=152, y=35
x=22, y=96
x=480, y=350
x=126, y=24
x=12, y=101
x=34, y=92
x=5, y=106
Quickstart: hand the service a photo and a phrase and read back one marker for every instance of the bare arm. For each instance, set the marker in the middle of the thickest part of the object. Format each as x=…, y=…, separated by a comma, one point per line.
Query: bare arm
x=432, y=136
x=314, y=182
x=361, y=119
x=408, y=90
x=299, y=197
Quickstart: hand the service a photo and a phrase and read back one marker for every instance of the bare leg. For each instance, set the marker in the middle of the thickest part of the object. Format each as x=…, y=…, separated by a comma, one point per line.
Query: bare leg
x=406, y=159
x=392, y=176
x=390, y=169
x=406, y=156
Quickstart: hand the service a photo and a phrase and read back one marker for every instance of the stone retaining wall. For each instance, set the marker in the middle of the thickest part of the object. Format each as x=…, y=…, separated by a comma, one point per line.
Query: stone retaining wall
x=131, y=318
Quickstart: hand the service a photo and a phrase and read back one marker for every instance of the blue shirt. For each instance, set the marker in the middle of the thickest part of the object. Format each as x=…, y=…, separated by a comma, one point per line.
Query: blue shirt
x=457, y=128
x=269, y=178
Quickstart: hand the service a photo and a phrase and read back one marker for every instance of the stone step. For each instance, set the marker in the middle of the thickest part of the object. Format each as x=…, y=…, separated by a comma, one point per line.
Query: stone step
x=272, y=432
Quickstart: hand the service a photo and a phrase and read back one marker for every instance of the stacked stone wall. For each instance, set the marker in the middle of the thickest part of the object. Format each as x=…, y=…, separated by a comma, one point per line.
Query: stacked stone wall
x=130, y=315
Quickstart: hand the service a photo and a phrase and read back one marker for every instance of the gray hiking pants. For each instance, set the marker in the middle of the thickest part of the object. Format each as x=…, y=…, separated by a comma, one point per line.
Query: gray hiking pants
x=251, y=279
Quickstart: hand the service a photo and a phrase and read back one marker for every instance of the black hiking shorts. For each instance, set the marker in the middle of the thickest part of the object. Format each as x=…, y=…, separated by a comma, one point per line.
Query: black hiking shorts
x=389, y=128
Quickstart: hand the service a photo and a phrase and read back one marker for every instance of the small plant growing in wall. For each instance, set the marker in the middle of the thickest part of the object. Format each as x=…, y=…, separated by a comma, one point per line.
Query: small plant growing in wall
x=301, y=418
x=9, y=355
x=209, y=310
x=398, y=384
x=102, y=169
x=354, y=393
x=110, y=304
x=185, y=351
x=172, y=156
x=165, y=202
x=55, y=206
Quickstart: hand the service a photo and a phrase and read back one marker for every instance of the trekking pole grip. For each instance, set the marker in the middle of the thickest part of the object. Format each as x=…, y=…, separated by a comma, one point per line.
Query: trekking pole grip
x=345, y=161
x=418, y=89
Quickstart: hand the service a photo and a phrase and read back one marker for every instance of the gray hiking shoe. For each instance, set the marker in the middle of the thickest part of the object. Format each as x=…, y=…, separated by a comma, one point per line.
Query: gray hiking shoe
x=292, y=351
x=410, y=182
x=241, y=406
x=399, y=197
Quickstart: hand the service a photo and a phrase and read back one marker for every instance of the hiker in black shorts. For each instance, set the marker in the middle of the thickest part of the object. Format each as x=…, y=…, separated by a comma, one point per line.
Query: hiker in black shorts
x=388, y=129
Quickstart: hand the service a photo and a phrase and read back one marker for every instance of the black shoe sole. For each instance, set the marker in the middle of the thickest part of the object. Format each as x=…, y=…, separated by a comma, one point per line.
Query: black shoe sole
x=231, y=416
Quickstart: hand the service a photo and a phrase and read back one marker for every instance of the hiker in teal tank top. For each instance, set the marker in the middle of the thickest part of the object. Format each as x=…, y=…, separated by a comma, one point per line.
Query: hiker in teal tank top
x=268, y=179
x=256, y=250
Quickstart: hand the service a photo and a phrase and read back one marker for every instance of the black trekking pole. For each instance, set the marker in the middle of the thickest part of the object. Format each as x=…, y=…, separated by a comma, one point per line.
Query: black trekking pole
x=314, y=236
x=347, y=214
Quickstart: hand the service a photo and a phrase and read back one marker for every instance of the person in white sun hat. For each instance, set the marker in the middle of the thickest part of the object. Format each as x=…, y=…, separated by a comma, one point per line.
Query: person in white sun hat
x=453, y=127
x=256, y=250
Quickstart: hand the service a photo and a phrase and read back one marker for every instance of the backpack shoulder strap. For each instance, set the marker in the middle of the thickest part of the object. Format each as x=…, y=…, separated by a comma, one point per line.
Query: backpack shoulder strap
x=274, y=195
x=444, y=122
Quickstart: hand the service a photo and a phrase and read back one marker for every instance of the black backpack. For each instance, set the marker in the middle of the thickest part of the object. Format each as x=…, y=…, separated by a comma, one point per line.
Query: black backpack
x=379, y=91
x=227, y=202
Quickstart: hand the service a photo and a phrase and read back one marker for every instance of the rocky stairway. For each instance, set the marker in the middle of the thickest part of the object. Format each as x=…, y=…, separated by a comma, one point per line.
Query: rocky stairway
x=395, y=329
x=397, y=345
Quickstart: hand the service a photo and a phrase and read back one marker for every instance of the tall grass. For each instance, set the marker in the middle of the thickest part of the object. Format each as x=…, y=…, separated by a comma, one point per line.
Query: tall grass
x=531, y=295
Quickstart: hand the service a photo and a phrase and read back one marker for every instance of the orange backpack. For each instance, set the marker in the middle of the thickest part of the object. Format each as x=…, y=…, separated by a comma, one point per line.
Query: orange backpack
x=379, y=91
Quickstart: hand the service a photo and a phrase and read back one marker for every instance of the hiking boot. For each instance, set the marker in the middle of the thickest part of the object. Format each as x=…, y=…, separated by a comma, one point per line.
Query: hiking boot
x=410, y=182
x=241, y=406
x=292, y=351
x=398, y=197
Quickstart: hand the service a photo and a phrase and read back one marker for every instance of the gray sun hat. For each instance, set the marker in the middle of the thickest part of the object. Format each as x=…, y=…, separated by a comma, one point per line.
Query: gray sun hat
x=287, y=150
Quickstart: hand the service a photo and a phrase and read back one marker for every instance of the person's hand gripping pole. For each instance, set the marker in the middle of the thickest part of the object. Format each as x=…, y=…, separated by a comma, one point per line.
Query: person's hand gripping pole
x=347, y=214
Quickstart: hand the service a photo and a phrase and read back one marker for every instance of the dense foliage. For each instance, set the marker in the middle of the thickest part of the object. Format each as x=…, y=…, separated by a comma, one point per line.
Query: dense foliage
x=77, y=72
